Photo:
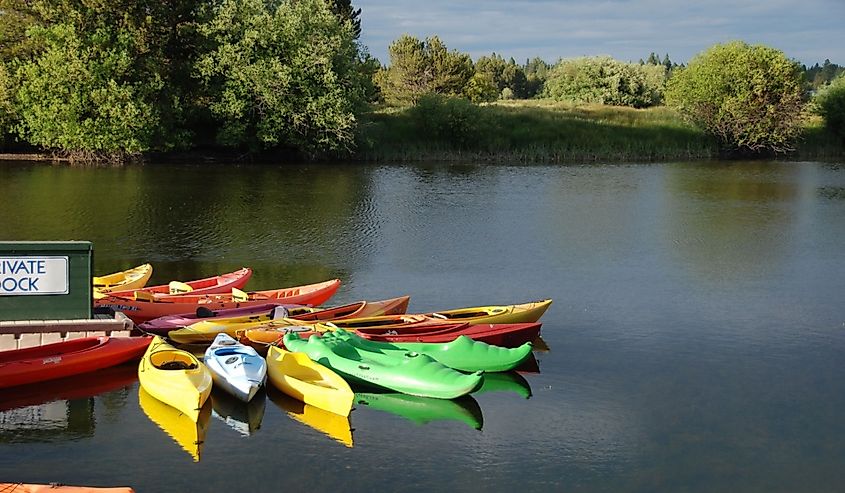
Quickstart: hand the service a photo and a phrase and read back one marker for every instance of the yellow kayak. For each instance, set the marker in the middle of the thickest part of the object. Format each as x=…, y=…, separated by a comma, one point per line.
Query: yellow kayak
x=189, y=434
x=493, y=314
x=206, y=330
x=333, y=425
x=135, y=278
x=175, y=377
x=298, y=376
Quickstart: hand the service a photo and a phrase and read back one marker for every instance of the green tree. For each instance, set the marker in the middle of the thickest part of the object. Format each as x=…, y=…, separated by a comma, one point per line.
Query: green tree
x=7, y=109
x=423, y=67
x=347, y=13
x=749, y=97
x=81, y=95
x=481, y=89
x=286, y=74
x=830, y=104
x=536, y=72
x=606, y=81
x=505, y=75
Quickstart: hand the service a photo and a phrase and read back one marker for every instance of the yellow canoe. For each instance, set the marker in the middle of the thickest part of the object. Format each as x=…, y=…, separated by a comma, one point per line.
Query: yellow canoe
x=134, y=278
x=493, y=314
x=206, y=330
x=337, y=427
x=187, y=433
x=175, y=377
x=298, y=376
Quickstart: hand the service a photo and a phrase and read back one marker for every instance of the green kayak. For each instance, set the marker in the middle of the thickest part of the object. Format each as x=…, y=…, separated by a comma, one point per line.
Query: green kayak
x=409, y=373
x=462, y=354
x=423, y=410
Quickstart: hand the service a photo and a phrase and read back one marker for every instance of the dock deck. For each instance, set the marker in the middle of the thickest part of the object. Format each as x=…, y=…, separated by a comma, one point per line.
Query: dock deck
x=18, y=334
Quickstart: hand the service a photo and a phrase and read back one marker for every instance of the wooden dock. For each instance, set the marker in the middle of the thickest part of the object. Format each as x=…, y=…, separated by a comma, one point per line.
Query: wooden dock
x=18, y=334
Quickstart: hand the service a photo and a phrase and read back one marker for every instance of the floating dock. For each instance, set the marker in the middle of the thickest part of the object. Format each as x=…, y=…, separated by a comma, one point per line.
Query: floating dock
x=19, y=334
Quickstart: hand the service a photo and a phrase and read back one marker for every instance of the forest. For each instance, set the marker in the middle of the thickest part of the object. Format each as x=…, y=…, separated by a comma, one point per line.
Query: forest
x=117, y=80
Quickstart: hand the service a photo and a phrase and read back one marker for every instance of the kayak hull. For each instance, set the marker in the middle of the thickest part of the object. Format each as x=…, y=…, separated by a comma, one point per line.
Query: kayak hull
x=298, y=376
x=175, y=377
x=222, y=283
x=461, y=354
x=235, y=368
x=134, y=278
x=140, y=310
x=206, y=329
x=67, y=358
x=414, y=374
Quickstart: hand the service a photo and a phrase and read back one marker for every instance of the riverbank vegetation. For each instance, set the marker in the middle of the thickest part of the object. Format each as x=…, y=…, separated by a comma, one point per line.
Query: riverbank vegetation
x=120, y=79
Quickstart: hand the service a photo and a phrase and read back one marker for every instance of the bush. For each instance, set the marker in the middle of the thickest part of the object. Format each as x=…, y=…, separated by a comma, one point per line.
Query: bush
x=830, y=104
x=749, y=97
x=604, y=80
x=454, y=121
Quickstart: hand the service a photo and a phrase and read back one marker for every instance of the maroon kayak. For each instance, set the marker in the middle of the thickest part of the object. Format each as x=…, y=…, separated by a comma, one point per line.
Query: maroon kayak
x=63, y=359
x=504, y=335
x=163, y=325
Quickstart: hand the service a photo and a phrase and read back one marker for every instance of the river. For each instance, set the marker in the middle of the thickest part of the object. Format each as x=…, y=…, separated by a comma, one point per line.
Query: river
x=696, y=341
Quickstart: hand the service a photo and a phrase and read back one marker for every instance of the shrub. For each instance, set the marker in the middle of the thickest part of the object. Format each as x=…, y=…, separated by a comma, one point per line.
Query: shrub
x=830, y=104
x=749, y=97
x=605, y=80
x=454, y=121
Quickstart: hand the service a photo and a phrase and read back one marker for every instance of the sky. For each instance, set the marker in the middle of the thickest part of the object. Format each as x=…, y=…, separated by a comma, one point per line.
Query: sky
x=809, y=31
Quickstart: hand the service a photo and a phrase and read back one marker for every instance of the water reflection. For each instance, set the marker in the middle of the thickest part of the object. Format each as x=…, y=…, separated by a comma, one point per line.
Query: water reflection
x=335, y=426
x=730, y=220
x=423, y=410
x=187, y=433
x=243, y=417
x=61, y=409
x=505, y=381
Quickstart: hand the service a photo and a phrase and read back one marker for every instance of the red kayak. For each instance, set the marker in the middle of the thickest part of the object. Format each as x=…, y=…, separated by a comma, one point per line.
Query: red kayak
x=210, y=285
x=504, y=335
x=63, y=359
x=141, y=309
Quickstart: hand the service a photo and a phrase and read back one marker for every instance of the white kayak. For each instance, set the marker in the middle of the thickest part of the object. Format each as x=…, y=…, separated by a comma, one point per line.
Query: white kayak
x=235, y=368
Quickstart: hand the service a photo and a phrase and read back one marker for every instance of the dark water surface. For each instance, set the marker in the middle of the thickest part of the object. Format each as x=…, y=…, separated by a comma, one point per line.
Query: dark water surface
x=697, y=338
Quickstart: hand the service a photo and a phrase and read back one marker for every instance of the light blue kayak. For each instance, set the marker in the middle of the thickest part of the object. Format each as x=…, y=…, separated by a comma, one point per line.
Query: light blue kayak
x=235, y=368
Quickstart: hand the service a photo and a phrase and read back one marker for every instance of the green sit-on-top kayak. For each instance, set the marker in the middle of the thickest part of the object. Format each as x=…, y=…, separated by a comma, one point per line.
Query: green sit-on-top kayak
x=461, y=354
x=409, y=373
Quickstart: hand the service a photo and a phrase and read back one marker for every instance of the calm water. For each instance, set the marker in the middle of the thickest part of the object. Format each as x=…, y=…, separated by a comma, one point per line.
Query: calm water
x=697, y=339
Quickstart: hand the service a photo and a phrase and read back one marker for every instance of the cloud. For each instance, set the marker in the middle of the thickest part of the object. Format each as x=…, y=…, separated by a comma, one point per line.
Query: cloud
x=625, y=29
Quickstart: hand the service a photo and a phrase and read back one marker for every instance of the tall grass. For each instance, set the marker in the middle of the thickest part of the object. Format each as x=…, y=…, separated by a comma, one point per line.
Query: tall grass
x=546, y=131
x=528, y=131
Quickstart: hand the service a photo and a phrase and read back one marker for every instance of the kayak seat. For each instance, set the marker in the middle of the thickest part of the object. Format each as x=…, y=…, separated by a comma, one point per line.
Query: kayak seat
x=205, y=312
x=177, y=365
x=227, y=351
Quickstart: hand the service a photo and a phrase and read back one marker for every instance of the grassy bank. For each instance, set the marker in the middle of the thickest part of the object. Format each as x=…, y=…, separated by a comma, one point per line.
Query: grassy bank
x=545, y=131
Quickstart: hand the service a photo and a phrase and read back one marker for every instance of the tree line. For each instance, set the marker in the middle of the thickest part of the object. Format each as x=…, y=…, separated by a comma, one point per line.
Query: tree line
x=117, y=78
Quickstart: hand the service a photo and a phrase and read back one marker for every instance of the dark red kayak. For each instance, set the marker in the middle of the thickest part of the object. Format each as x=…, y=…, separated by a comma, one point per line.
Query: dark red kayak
x=63, y=359
x=504, y=335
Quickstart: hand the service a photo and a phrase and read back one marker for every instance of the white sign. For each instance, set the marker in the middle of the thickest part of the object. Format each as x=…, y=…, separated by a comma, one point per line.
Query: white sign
x=33, y=275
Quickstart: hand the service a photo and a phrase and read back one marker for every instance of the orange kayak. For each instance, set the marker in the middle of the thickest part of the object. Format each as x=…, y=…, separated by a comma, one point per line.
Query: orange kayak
x=58, y=488
x=141, y=309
